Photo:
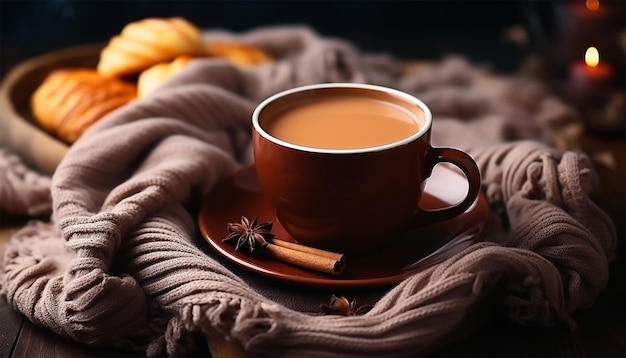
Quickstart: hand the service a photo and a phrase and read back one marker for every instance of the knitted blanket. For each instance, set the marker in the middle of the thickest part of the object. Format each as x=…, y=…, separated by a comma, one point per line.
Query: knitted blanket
x=119, y=262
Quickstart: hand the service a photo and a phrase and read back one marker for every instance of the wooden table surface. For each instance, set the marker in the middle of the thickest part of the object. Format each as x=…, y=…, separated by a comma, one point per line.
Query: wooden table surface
x=601, y=328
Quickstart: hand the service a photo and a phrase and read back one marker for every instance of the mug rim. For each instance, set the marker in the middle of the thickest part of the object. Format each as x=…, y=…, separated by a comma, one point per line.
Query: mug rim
x=424, y=128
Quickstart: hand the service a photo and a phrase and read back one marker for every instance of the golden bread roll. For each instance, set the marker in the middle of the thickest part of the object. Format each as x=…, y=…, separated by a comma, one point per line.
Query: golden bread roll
x=152, y=78
x=69, y=101
x=145, y=43
x=242, y=54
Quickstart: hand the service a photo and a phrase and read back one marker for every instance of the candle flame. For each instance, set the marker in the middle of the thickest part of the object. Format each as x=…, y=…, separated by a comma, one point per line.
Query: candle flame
x=592, y=57
x=592, y=5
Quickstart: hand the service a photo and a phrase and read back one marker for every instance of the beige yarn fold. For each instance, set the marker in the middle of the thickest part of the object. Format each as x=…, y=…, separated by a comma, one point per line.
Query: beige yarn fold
x=118, y=262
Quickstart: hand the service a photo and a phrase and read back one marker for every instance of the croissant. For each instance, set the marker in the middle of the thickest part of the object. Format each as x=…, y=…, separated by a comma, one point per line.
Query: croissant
x=242, y=54
x=69, y=101
x=147, y=42
x=152, y=78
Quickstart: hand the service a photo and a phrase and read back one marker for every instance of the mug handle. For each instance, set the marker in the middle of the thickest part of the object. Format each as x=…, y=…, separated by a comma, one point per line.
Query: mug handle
x=468, y=166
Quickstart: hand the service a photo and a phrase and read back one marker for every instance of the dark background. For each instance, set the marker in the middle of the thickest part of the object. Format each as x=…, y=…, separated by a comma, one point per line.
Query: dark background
x=411, y=29
x=406, y=29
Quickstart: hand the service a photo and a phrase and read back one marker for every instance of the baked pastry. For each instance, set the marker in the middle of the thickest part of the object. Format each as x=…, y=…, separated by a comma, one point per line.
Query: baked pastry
x=152, y=78
x=147, y=42
x=241, y=54
x=69, y=101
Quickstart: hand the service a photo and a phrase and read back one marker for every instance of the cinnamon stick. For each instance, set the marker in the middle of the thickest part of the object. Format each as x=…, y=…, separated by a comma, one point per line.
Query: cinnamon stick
x=309, y=249
x=305, y=256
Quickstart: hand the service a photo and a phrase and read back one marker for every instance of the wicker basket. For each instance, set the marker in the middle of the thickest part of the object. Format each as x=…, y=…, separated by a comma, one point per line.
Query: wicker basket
x=18, y=131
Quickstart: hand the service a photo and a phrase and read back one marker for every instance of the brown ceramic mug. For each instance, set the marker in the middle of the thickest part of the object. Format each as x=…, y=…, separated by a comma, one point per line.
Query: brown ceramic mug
x=344, y=165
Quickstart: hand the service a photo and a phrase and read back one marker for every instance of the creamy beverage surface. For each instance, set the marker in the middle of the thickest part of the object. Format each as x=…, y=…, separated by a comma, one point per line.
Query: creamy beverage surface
x=343, y=122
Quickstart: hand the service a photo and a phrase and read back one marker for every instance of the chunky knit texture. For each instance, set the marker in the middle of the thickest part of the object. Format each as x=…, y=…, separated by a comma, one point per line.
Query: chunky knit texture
x=118, y=262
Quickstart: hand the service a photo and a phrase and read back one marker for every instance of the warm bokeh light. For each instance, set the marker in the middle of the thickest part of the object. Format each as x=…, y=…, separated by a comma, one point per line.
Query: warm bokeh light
x=592, y=5
x=592, y=57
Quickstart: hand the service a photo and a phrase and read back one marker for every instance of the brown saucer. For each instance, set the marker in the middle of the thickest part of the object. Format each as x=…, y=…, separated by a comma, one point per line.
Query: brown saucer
x=408, y=254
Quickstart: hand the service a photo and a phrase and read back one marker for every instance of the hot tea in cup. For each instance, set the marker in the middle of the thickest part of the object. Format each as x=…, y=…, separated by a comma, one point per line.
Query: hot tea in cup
x=343, y=122
x=344, y=165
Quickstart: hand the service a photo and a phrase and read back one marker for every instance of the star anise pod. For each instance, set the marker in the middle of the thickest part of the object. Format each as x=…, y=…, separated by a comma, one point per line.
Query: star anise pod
x=249, y=234
x=341, y=306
